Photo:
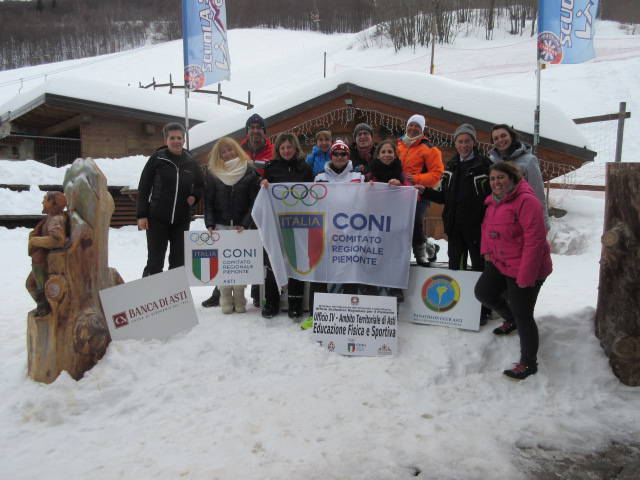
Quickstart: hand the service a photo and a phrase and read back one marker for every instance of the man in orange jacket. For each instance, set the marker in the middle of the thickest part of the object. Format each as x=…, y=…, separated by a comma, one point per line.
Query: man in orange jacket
x=422, y=165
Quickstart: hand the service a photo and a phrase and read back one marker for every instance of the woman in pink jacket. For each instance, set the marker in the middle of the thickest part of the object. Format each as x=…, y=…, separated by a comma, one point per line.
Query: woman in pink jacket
x=518, y=259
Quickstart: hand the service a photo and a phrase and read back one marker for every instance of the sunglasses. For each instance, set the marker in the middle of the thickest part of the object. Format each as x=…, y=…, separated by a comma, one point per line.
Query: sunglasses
x=340, y=154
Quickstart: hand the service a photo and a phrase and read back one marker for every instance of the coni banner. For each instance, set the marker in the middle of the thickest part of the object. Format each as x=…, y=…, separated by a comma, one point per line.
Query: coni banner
x=337, y=232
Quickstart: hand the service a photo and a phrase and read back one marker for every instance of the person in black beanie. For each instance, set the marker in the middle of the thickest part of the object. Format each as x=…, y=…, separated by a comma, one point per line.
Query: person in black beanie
x=463, y=189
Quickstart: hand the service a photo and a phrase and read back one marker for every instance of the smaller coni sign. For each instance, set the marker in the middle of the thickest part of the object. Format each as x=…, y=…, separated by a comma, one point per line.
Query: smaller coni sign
x=440, y=293
x=223, y=257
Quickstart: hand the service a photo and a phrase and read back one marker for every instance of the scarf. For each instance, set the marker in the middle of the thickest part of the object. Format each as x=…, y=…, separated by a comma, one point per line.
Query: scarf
x=409, y=140
x=384, y=173
x=232, y=172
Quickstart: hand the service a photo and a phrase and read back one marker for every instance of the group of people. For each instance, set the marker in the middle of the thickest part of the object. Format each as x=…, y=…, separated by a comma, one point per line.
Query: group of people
x=494, y=209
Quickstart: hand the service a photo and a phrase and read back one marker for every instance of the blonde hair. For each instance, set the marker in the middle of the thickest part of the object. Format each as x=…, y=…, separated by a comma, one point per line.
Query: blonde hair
x=216, y=162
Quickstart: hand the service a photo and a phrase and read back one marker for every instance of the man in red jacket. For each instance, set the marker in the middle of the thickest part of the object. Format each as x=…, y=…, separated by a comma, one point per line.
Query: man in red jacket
x=256, y=143
x=260, y=150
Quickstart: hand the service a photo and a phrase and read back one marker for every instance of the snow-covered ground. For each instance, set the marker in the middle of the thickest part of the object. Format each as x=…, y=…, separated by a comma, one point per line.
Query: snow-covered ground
x=243, y=397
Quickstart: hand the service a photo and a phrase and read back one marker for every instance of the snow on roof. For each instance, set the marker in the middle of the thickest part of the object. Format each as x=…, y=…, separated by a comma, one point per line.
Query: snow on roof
x=461, y=98
x=127, y=97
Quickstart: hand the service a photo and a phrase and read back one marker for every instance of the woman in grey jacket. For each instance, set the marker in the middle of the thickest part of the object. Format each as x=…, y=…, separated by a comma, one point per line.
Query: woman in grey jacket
x=509, y=148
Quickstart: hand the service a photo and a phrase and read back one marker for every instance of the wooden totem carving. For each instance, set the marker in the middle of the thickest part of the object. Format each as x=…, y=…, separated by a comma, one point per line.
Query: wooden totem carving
x=617, y=318
x=67, y=330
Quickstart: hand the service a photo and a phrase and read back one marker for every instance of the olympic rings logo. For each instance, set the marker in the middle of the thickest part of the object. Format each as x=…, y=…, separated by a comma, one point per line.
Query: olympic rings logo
x=299, y=193
x=204, y=238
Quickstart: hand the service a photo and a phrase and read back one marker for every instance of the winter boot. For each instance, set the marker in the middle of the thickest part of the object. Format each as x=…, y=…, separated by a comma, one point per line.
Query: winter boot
x=255, y=295
x=239, y=302
x=432, y=250
x=270, y=310
x=521, y=371
x=505, y=329
x=226, y=299
x=420, y=252
x=295, y=307
x=308, y=323
x=213, y=300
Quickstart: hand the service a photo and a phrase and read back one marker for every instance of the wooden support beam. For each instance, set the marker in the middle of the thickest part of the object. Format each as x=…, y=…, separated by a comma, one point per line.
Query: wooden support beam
x=66, y=125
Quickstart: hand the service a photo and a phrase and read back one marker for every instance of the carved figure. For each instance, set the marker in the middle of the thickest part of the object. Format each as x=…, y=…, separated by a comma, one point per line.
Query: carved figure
x=69, y=251
x=49, y=233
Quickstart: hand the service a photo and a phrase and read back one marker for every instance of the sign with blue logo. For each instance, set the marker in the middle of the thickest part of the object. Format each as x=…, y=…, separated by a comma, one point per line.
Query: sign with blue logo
x=565, y=30
x=439, y=296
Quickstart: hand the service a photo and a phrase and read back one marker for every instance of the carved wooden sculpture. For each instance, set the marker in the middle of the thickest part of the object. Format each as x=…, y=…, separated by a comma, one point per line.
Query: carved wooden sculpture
x=67, y=330
x=617, y=319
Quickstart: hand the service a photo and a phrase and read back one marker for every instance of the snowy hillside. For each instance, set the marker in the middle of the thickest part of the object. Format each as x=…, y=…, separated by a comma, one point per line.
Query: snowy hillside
x=247, y=398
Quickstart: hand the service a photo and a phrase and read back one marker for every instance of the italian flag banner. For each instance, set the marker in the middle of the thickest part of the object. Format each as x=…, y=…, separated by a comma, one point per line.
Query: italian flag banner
x=337, y=232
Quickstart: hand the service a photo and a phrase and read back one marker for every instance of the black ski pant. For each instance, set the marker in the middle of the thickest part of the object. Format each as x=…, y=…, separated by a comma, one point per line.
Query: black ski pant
x=295, y=290
x=515, y=304
x=463, y=244
x=159, y=235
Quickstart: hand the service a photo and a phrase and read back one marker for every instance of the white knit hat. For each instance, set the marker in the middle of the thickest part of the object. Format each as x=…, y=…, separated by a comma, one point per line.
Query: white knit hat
x=417, y=118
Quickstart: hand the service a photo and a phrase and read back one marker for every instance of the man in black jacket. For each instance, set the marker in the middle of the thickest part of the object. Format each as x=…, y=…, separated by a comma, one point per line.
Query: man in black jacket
x=170, y=184
x=464, y=187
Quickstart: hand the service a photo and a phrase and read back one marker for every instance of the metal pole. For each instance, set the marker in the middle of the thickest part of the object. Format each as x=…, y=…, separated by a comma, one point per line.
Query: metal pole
x=249, y=107
x=325, y=65
x=186, y=114
x=219, y=92
x=621, y=115
x=536, y=118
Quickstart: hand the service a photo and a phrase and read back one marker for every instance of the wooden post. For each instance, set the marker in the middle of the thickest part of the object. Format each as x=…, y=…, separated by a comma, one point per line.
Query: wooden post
x=617, y=319
x=432, y=69
x=621, y=117
x=249, y=106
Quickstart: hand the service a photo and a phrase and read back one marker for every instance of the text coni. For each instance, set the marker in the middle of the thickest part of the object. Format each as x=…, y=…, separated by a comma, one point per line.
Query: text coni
x=566, y=22
x=342, y=221
x=157, y=305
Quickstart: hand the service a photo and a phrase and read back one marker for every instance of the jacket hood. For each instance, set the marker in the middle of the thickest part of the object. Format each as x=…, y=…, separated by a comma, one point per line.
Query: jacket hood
x=518, y=152
x=333, y=175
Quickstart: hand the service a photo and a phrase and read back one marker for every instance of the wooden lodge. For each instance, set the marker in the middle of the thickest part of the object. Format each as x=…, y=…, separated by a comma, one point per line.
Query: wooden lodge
x=345, y=104
x=62, y=120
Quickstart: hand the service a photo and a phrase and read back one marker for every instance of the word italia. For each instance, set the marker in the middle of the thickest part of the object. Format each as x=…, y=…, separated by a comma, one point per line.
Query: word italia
x=157, y=304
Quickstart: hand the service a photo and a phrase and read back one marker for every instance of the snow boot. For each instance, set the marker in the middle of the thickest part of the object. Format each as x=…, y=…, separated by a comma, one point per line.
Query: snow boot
x=432, y=250
x=295, y=307
x=308, y=323
x=270, y=310
x=420, y=252
x=213, y=300
x=239, y=302
x=226, y=299
x=505, y=329
x=521, y=371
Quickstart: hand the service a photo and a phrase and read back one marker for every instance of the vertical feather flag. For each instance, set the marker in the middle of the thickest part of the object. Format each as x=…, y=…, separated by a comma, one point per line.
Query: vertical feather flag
x=566, y=30
x=204, y=32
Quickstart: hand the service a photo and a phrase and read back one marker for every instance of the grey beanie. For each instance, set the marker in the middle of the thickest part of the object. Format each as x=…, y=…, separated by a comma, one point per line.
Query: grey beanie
x=362, y=126
x=465, y=128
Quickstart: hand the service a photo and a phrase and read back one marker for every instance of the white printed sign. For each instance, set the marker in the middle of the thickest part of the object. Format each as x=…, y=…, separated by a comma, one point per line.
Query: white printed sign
x=223, y=257
x=157, y=306
x=439, y=296
x=356, y=324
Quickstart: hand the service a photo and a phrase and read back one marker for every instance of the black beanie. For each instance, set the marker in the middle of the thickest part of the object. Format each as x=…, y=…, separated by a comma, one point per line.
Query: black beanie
x=255, y=118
